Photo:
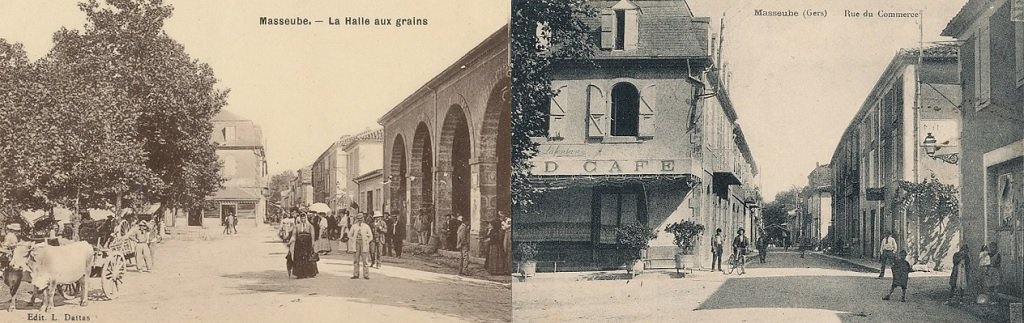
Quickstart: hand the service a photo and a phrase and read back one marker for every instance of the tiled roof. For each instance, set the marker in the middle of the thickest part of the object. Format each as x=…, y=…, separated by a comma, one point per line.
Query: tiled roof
x=225, y=115
x=367, y=135
x=667, y=29
x=936, y=51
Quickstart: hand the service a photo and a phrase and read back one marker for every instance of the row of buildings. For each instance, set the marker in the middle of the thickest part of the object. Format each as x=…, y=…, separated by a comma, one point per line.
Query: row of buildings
x=954, y=113
x=645, y=135
x=443, y=150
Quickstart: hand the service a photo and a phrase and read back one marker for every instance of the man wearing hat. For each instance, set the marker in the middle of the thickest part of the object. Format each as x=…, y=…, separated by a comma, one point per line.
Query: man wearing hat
x=361, y=236
x=143, y=255
x=739, y=248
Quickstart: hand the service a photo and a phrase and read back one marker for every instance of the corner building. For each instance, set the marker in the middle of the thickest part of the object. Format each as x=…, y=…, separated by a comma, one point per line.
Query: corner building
x=648, y=135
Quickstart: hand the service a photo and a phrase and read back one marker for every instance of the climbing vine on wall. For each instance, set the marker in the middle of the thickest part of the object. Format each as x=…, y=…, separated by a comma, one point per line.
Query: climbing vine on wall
x=930, y=198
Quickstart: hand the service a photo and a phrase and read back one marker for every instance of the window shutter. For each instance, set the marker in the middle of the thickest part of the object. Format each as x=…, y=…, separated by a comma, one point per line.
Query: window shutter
x=556, y=123
x=607, y=29
x=632, y=28
x=597, y=108
x=1019, y=33
x=982, y=67
x=648, y=110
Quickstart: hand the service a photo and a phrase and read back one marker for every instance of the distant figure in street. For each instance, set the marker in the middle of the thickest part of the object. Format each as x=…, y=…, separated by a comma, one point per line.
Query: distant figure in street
x=958, y=276
x=762, y=248
x=389, y=234
x=399, y=235
x=506, y=227
x=805, y=243
x=228, y=218
x=463, y=245
x=361, y=234
x=993, y=276
x=323, y=243
x=739, y=250
x=888, y=249
x=425, y=226
x=494, y=241
x=417, y=227
x=716, y=250
x=376, y=244
x=234, y=223
x=446, y=233
x=900, y=275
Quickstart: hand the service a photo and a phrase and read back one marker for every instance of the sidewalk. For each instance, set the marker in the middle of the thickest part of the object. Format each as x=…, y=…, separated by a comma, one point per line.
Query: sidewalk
x=872, y=265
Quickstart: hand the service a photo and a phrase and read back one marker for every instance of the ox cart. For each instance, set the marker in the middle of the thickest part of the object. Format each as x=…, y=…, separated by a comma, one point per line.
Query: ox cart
x=109, y=262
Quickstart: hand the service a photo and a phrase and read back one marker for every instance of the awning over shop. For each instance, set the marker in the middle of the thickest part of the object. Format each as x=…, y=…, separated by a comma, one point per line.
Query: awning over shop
x=567, y=181
x=233, y=193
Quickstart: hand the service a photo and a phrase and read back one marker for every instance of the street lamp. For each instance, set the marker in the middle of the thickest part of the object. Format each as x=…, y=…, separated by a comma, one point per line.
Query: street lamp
x=932, y=146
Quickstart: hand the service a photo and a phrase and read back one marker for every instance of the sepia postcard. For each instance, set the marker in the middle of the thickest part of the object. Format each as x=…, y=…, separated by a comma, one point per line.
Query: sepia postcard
x=849, y=161
x=256, y=161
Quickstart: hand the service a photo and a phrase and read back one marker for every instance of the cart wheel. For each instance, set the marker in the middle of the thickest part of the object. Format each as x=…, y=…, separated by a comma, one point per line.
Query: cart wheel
x=69, y=291
x=113, y=276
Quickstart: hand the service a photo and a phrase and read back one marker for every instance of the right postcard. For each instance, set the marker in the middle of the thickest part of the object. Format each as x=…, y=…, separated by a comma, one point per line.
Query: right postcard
x=847, y=161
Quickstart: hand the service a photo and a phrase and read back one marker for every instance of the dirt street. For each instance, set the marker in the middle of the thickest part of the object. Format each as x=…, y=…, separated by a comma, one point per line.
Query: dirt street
x=242, y=278
x=786, y=289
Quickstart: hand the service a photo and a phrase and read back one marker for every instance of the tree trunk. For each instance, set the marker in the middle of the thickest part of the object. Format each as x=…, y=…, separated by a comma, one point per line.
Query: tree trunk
x=76, y=219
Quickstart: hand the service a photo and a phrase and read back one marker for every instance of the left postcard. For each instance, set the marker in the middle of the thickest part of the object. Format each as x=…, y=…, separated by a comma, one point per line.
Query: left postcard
x=257, y=161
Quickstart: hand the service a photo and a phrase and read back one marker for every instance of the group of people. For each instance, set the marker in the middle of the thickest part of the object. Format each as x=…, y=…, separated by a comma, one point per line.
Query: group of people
x=140, y=236
x=230, y=223
x=368, y=237
x=740, y=249
x=989, y=262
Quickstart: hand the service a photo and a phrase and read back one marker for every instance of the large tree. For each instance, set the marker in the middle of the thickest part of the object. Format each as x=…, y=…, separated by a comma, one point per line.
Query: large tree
x=279, y=183
x=115, y=111
x=543, y=32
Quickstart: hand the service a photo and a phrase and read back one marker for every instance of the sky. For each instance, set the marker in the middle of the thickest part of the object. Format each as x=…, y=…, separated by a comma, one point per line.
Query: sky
x=306, y=86
x=795, y=81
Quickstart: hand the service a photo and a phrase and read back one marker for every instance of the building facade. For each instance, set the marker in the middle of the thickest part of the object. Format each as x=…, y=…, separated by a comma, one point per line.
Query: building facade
x=364, y=156
x=240, y=147
x=447, y=146
x=991, y=36
x=646, y=136
x=302, y=188
x=819, y=202
x=882, y=147
x=335, y=170
x=371, y=187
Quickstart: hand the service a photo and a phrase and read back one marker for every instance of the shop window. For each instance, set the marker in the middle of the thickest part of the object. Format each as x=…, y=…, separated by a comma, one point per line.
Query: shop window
x=617, y=208
x=982, y=67
x=625, y=110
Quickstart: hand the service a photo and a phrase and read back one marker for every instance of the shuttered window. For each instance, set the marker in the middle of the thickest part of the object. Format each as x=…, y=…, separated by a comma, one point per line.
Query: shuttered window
x=556, y=113
x=597, y=109
x=648, y=111
x=607, y=29
x=982, y=67
x=1019, y=53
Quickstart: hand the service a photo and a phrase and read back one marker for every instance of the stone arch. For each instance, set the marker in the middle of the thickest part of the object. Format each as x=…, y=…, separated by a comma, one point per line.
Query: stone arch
x=421, y=175
x=453, y=165
x=397, y=174
x=495, y=153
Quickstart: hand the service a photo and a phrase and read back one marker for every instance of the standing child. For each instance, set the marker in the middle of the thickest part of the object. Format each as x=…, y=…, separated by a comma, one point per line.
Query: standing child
x=900, y=275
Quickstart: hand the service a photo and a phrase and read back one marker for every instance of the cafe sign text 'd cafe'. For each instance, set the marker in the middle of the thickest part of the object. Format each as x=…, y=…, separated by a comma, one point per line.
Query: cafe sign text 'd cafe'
x=608, y=167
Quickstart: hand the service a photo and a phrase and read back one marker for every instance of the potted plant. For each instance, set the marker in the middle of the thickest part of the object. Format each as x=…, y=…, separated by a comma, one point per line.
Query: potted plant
x=526, y=252
x=685, y=234
x=634, y=238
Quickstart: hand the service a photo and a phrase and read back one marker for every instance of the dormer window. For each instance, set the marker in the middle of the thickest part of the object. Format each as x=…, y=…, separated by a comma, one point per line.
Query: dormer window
x=620, y=27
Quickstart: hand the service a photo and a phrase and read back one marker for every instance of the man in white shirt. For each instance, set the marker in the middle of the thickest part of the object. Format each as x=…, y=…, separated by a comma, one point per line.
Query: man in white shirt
x=361, y=236
x=888, y=250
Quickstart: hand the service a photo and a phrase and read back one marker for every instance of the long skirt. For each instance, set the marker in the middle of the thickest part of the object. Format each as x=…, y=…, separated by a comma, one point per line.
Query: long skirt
x=323, y=245
x=494, y=259
x=302, y=256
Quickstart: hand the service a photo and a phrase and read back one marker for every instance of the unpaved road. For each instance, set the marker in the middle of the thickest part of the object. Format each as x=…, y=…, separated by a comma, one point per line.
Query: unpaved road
x=242, y=278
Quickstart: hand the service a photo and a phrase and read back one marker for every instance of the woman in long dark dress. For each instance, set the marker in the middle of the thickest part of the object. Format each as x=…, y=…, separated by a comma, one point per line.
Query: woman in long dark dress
x=495, y=240
x=301, y=252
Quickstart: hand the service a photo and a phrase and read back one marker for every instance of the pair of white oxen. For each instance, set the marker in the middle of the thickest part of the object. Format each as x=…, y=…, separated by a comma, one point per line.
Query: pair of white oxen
x=47, y=267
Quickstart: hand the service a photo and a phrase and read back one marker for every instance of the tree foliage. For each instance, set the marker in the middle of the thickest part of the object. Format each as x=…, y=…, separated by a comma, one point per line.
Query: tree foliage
x=543, y=32
x=279, y=183
x=115, y=111
x=928, y=198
